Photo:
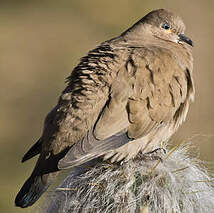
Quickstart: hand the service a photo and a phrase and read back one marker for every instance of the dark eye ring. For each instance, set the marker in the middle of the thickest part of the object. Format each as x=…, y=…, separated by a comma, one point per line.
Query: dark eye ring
x=165, y=26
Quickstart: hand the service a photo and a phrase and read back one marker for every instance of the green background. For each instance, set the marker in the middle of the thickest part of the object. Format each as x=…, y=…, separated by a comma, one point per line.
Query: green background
x=40, y=43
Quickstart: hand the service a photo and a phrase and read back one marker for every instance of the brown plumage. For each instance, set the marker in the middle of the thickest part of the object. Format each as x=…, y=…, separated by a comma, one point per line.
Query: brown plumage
x=131, y=93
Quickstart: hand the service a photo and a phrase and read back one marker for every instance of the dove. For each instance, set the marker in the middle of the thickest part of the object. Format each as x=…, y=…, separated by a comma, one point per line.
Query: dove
x=128, y=95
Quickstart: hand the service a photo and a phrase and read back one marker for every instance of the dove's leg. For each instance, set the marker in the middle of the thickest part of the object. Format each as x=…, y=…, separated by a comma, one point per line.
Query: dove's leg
x=162, y=150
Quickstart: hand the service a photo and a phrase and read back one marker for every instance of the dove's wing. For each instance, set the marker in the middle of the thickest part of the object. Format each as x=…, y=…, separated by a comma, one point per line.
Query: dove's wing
x=90, y=91
x=150, y=90
x=109, y=131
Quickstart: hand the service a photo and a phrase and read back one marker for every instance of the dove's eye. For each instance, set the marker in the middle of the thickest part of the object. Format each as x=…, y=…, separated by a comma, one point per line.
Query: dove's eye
x=165, y=26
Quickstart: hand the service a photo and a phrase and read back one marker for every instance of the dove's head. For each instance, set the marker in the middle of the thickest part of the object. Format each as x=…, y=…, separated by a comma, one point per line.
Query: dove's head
x=163, y=25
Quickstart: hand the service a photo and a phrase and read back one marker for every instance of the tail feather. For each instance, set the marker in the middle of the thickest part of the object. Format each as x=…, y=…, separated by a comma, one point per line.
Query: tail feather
x=33, y=151
x=32, y=189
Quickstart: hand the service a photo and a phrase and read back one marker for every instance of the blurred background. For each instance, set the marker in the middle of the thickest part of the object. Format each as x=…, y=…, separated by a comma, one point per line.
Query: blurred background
x=41, y=42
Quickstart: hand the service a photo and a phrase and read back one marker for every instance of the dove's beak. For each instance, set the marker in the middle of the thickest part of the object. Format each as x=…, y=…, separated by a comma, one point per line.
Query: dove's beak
x=185, y=39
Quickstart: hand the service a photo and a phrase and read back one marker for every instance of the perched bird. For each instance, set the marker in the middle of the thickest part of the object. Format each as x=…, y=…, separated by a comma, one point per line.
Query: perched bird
x=129, y=94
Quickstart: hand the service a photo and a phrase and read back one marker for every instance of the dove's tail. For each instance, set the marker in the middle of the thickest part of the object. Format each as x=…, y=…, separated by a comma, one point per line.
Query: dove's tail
x=30, y=192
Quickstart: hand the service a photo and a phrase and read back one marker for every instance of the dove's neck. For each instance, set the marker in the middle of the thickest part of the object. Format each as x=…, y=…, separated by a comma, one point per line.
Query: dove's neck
x=143, y=35
x=137, y=35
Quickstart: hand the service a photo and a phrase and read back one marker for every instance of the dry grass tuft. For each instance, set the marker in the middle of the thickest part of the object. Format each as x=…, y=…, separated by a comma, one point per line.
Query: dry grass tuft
x=176, y=184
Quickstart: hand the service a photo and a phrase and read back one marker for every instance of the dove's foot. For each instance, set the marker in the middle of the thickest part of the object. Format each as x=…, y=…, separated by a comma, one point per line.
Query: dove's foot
x=156, y=154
